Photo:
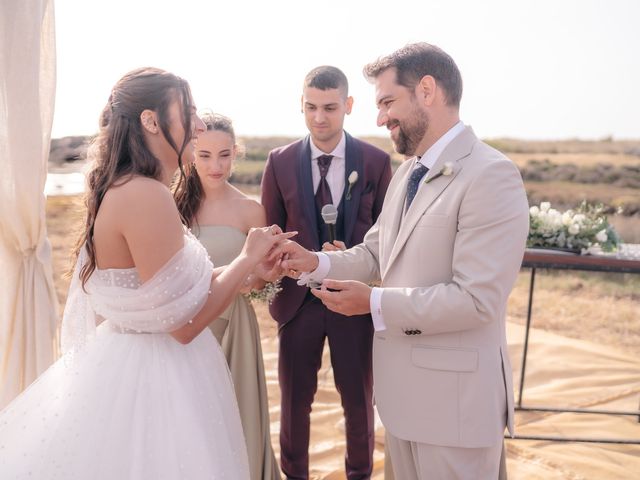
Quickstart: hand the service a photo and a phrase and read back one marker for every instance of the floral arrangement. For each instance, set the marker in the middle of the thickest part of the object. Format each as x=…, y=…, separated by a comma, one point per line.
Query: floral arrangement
x=584, y=230
x=266, y=294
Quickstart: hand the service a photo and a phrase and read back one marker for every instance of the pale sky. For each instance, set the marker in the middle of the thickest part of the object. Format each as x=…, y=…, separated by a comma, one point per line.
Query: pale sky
x=532, y=69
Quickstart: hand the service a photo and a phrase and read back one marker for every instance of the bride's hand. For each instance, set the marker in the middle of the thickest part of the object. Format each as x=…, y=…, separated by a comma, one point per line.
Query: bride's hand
x=269, y=270
x=260, y=241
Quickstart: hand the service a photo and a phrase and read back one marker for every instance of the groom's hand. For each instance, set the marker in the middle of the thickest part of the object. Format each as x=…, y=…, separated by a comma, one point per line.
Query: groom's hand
x=333, y=247
x=296, y=259
x=348, y=297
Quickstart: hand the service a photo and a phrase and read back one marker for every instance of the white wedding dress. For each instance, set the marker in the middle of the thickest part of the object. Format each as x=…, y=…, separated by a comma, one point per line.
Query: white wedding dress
x=126, y=400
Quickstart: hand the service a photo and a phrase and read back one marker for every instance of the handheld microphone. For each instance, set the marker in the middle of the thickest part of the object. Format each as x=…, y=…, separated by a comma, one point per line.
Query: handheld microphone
x=330, y=216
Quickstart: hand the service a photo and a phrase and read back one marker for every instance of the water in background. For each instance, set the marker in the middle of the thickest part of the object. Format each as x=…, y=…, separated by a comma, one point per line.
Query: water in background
x=73, y=184
x=64, y=184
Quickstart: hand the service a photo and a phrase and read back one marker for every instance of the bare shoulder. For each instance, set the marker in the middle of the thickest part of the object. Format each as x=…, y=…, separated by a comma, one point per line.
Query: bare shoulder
x=255, y=213
x=148, y=219
x=141, y=192
x=251, y=211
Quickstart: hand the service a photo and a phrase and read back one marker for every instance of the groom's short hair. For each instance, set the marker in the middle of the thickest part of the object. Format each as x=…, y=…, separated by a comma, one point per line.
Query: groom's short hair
x=416, y=60
x=327, y=77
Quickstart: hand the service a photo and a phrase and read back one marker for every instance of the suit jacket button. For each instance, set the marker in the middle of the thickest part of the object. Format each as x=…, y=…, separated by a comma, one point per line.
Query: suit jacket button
x=417, y=332
x=407, y=332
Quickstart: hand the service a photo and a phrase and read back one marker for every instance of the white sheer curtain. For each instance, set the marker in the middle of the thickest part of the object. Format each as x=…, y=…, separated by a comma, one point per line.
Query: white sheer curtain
x=28, y=304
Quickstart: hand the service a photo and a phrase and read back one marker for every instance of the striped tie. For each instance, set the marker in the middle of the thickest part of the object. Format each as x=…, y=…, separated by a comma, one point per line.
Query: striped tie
x=323, y=194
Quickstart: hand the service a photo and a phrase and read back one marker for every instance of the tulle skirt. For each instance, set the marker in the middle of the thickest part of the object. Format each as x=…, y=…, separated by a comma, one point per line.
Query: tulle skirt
x=128, y=406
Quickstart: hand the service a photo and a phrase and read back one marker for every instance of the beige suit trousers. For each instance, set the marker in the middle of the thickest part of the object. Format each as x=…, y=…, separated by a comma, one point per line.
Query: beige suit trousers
x=421, y=461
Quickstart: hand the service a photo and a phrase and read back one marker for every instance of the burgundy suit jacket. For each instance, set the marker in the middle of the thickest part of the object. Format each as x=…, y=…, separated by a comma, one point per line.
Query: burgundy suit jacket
x=288, y=198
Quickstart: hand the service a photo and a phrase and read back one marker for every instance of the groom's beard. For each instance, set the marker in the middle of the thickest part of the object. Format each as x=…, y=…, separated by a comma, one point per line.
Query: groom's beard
x=410, y=132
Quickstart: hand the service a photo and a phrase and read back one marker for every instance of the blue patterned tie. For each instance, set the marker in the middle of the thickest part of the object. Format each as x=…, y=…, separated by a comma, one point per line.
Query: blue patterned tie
x=414, y=181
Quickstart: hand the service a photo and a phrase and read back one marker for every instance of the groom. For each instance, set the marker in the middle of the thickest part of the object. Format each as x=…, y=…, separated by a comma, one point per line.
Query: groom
x=448, y=247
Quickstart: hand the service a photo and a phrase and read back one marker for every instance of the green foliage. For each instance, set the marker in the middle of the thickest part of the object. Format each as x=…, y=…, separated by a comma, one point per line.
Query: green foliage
x=267, y=294
x=582, y=229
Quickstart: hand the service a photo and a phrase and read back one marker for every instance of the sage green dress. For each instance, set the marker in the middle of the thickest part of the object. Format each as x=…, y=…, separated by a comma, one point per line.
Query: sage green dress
x=238, y=334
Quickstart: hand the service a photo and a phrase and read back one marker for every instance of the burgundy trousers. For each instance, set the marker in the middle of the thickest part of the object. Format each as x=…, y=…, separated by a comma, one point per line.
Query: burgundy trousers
x=300, y=357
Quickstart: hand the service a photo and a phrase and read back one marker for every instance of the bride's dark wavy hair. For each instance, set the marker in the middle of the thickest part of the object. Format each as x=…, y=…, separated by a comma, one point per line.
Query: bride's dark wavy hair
x=120, y=152
x=190, y=194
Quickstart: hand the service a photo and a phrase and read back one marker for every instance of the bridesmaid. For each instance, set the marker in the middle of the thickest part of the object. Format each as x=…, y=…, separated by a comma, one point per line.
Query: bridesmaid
x=220, y=216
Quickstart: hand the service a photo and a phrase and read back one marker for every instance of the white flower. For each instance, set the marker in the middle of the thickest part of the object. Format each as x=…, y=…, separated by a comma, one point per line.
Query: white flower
x=534, y=211
x=446, y=170
x=601, y=236
x=544, y=206
x=574, y=229
x=352, y=179
x=579, y=218
x=567, y=218
x=555, y=218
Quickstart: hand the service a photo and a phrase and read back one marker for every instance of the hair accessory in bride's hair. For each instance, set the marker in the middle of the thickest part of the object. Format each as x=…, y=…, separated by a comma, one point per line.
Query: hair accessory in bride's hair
x=112, y=101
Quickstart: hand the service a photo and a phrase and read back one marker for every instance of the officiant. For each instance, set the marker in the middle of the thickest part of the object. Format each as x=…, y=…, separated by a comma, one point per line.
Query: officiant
x=327, y=167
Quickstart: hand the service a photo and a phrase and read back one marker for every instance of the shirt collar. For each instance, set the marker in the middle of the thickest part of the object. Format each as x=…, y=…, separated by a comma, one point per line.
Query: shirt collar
x=339, y=151
x=431, y=155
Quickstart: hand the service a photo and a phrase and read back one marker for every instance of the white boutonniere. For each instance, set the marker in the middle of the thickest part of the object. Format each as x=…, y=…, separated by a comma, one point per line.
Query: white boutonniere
x=353, y=178
x=446, y=170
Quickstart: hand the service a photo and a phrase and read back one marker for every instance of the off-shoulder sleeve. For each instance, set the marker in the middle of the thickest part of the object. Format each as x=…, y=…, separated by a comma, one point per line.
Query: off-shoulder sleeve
x=170, y=299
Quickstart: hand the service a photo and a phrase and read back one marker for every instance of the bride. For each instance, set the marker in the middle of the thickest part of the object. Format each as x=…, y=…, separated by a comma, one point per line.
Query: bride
x=146, y=394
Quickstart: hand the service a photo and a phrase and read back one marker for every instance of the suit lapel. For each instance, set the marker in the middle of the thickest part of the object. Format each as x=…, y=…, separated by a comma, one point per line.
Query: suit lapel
x=394, y=202
x=305, y=182
x=459, y=148
x=353, y=162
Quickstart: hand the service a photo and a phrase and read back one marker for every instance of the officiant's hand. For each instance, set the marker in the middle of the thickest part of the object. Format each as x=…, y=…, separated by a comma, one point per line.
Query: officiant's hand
x=296, y=259
x=347, y=297
x=333, y=247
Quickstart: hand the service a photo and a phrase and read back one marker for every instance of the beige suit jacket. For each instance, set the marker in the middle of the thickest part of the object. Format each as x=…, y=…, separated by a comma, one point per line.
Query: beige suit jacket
x=447, y=269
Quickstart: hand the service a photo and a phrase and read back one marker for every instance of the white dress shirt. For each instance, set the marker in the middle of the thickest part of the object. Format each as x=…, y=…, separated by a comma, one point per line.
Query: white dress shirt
x=335, y=175
x=324, y=264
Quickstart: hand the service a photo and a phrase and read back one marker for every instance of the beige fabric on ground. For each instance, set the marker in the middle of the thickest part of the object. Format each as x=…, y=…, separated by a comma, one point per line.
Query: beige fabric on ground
x=28, y=304
x=560, y=372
